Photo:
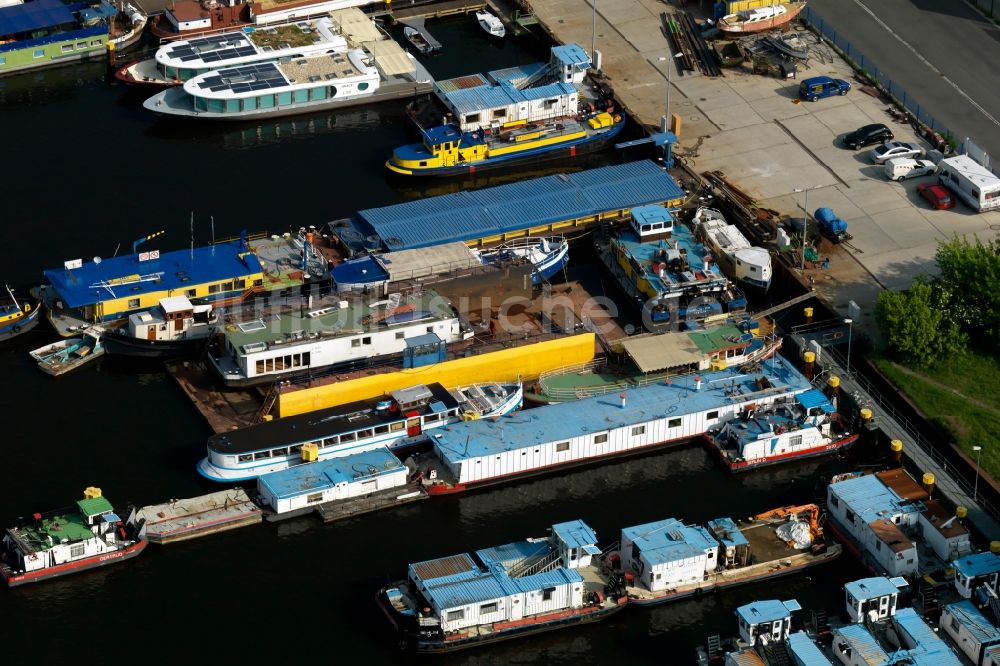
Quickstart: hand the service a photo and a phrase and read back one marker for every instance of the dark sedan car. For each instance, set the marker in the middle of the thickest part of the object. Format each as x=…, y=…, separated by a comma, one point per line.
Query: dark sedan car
x=867, y=135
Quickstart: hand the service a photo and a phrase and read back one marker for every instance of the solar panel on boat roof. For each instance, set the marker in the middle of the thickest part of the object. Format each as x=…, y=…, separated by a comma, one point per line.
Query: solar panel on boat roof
x=259, y=85
x=218, y=88
x=241, y=87
x=189, y=57
x=245, y=51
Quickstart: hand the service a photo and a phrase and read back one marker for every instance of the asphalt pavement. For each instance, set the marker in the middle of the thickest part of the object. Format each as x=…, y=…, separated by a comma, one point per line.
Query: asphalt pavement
x=943, y=52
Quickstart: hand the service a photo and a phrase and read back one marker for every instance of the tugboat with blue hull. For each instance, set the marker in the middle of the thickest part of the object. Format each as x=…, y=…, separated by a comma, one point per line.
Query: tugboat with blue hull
x=16, y=317
x=505, y=592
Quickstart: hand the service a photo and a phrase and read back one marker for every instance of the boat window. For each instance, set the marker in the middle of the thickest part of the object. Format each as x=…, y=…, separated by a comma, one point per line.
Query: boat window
x=674, y=423
x=367, y=340
x=260, y=367
x=639, y=430
x=356, y=342
x=269, y=364
x=562, y=446
x=381, y=430
x=363, y=85
x=499, y=113
x=348, y=437
x=246, y=457
x=296, y=360
x=261, y=455
x=834, y=501
x=365, y=434
x=430, y=418
x=284, y=98
x=279, y=452
x=133, y=302
x=305, y=358
x=601, y=439
x=423, y=164
x=77, y=550
x=317, y=93
x=795, y=441
x=455, y=615
x=213, y=288
x=849, y=515
x=472, y=118
x=266, y=101
x=279, y=363
x=453, y=412
x=297, y=448
x=66, y=48
x=486, y=609
x=398, y=425
x=547, y=593
x=712, y=415
x=315, y=497
x=191, y=293
x=301, y=95
x=38, y=53
x=215, y=105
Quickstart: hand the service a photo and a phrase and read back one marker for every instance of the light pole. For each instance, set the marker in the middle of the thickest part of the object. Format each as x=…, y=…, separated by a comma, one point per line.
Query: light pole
x=850, y=327
x=975, y=488
x=670, y=66
x=593, y=38
x=805, y=223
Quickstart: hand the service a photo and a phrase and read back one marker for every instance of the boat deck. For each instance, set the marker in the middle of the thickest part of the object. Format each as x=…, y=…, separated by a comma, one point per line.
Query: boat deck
x=179, y=520
x=332, y=511
x=223, y=409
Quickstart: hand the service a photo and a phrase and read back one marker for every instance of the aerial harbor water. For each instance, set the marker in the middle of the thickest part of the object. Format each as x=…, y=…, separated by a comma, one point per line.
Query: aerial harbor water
x=88, y=171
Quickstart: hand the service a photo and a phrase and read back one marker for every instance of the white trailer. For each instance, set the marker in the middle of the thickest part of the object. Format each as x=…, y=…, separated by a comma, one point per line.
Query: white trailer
x=973, y=183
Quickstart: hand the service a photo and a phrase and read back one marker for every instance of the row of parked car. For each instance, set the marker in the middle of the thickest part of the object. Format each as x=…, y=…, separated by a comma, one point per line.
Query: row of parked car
x=900, y=159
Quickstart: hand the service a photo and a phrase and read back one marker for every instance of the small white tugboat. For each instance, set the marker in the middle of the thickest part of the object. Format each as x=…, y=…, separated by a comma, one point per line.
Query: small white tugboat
x=69, y=540
x=174, y=328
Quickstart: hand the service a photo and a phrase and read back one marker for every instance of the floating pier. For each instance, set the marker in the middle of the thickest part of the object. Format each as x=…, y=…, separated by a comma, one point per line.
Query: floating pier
x=180, y=520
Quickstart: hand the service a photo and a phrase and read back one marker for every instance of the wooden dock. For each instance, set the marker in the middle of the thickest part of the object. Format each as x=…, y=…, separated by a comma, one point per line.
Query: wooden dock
x=223, y=409
x=181, y=520
x=401, y=12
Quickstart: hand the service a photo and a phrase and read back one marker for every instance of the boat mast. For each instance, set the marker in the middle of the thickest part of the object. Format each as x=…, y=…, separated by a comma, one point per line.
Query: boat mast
x=11, y=294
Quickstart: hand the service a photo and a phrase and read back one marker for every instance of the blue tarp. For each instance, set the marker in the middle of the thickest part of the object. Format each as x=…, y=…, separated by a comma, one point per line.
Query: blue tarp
x=34, y=15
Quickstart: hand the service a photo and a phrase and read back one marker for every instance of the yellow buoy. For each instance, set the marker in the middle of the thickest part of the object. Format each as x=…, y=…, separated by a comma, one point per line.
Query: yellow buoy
x=995, y=547
x=896, y=446
x=809, y=357
x=833, y=382
x=961, y=512
x=310, y=452
x=90, y=492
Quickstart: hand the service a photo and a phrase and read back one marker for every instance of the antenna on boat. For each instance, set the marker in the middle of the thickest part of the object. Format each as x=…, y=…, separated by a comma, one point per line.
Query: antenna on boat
x=117, y=247
x=213, y=229
x=11, y=294
x=192, y=235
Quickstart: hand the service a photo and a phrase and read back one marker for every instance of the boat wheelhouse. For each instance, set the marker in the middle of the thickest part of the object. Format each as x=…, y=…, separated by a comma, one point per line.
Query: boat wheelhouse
x=525, y=587
x=16, y=317
x=345, y=334
x=548, y=256
x=175, y=327
x=69, y=540
x=805, y=426
x=672, y=277
x=179, y=61
x=747, y=265
x=397, y=421
x=379, y=71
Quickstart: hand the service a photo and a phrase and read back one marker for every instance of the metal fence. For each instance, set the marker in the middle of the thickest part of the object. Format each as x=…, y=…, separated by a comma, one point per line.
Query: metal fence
x=869, y=67
x=989, y=7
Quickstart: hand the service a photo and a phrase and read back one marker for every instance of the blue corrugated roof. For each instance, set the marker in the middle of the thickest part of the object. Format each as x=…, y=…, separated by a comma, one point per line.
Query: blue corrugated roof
x=870, y=588
x=979, y=564
x=727, y=532
x=484, y=98
x=977, y=624
x=815, y=398
x=511, y=553
x=575, y=534
x=939, y=655
x=33, y=16
x=180, y=269
x=805, y=652
x=359, y=271
x=915, y=628
x=477, y=586
x=669, y=540
x=767, y=610
x=469, y=215
x=324, y=474
x=864, y=644
x=517, y=74
x=871, y=499
x=571, y=54
x=563, y=421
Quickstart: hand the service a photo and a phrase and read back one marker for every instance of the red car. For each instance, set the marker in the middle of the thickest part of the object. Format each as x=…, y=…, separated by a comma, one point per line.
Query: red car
x=937, y=196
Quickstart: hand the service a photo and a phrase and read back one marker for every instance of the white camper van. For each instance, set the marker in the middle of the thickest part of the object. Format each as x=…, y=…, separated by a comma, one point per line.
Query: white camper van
x=972, y=182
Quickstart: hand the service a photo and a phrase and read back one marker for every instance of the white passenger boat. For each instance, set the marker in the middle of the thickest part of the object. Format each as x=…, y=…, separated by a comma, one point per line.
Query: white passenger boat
x=380, y=71
x=398, y=420
x=743, y=263
x=492, y=25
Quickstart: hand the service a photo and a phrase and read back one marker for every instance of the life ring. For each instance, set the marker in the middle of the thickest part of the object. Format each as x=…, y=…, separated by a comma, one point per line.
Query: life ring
x=778, y=430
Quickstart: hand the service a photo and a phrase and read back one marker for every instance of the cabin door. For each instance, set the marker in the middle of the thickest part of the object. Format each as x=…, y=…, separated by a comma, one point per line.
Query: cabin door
x=412, y=424
x=179, y=324
x=151, y=332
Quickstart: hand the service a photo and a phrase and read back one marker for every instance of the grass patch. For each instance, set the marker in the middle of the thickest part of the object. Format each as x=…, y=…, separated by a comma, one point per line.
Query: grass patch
x=962, y=395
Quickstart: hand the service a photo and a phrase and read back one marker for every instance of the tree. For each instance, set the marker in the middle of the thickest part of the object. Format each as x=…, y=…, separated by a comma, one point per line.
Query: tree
x=970, y=284
x=918, y=325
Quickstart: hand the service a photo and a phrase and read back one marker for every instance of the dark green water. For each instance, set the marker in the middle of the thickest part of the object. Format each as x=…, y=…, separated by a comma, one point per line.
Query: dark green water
x=86, y=169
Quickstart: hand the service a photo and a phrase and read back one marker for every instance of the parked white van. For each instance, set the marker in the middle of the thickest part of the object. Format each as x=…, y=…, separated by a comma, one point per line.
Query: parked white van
x=971, y=181
x=901, y=168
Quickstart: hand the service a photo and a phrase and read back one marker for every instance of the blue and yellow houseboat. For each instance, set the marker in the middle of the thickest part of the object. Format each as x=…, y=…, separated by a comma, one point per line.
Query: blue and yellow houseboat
x=109, y=290
x=511, y=116
x=673, y=278
x=16, y=318
x=48, y=33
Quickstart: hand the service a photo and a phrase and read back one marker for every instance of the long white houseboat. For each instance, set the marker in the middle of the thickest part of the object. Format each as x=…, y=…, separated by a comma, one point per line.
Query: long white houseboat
x=284, y=346
x=479, y=453
x=516, y=589
x=67, y=541
x=375, y=72
x=179, y=61
x=745, y=264
x=397, y=421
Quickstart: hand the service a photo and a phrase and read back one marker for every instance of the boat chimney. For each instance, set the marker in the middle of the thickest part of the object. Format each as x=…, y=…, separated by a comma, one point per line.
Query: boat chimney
x=697, y=383
x=622, y=396
x=808, y=364
x=928, y=484
x=808, y=312
x=896, y=453
x=832, y=389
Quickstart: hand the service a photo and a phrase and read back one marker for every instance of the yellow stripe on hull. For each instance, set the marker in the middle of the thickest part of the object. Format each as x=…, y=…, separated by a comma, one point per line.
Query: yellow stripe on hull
x=538, y=143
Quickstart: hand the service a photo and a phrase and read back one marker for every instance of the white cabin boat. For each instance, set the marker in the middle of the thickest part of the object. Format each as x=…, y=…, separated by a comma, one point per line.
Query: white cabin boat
x=397, y=421
x=492, y=25
x=741, y=262
x=175, y=327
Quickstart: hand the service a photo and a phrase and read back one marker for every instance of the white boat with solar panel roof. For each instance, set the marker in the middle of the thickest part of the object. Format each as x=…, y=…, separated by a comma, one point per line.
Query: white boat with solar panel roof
x=380, y=71
x=180, y=61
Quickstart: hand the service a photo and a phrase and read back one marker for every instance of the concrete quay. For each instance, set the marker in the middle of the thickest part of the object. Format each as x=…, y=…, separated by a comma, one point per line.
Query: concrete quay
x=783, y=152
